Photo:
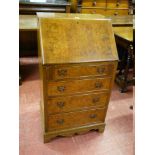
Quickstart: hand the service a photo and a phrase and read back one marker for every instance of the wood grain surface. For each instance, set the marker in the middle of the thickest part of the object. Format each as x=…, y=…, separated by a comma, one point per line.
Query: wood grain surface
x=89, y=40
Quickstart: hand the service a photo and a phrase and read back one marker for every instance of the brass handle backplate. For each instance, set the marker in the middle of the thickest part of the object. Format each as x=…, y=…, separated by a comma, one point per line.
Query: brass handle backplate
x=62, y=72
x=116, y=13
x=60, y=121
x=118, y=3
x=98, y=85
x=96, y=99
x=94, y=3
x=60, y=104
x=93, y=12
x=61, y=88
x=100, y=70
x=93, y=116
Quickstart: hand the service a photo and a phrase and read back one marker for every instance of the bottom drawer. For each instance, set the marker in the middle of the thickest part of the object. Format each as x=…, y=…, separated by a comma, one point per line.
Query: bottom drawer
x=73, y=119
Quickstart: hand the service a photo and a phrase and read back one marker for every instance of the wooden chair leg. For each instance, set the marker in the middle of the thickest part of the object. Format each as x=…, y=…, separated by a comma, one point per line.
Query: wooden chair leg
x=126, y=71
x=20, y=78
x=131, y=107
x=122, y=64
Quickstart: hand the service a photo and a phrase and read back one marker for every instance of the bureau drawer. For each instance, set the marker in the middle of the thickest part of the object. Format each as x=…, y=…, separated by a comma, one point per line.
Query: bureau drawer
x=94, y=3
x=93, y=11
x=73, y=119
x=117, y=4
x=77, y=86
x=70, y=103
x=74, y=71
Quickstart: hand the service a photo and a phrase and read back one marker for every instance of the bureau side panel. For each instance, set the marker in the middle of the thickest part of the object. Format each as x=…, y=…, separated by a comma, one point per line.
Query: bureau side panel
x=43, y=88
x=42, y=71
x=113, y=78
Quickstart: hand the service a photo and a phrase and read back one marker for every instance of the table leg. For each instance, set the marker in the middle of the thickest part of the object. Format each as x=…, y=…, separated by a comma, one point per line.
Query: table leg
x=126, y=71
x=20, y=78
x=122, y=64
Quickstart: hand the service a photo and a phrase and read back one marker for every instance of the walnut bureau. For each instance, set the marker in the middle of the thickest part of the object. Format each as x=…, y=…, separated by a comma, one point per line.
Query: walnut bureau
x=78, y=60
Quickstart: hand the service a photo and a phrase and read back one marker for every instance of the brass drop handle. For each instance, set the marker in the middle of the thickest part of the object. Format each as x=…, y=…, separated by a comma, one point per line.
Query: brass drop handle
x=93, y=12
x=98, y=85
x=61, y=88
x=60, y=104
x=62, y=72
x=60, y=121
x=93, y=116
x=116, y=13
x=94, y=3
x=96, y=99
x=100, y=70
x=118, y=3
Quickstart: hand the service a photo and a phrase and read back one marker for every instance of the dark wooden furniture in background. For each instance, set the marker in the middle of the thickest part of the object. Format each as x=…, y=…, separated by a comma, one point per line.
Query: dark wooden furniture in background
x=125, y=43
x=31, y=7
x=20, y=77
x=74, y=6
x=132, y=6
x=28, y=35
x=105, y=7
x=77, y=76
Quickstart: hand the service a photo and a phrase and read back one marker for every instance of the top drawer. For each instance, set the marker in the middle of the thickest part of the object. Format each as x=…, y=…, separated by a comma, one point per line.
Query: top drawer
x=75, y=71
x=94, y=3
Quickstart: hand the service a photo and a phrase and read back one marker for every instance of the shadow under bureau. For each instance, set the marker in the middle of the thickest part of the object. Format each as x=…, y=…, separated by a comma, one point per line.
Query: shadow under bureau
x=78, y=60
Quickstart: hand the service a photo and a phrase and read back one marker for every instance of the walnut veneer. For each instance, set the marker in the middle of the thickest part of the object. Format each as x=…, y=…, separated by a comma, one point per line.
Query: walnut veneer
x=78, y=60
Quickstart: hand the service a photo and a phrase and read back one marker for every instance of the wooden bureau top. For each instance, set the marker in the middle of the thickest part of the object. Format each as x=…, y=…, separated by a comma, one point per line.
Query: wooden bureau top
x=75, y=38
